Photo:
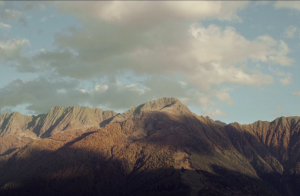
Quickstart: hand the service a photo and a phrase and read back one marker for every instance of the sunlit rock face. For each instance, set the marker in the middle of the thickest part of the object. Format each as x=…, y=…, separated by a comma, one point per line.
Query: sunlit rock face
x=170, y=105
x=157, y=148
x=56, y=120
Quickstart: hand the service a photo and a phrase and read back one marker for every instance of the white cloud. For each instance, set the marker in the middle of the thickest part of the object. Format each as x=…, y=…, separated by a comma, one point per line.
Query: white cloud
x=213, y=44
x=12, y=49
x=290, y=31
x=276, y=51
x=116, y=95
x=61, y=91
x=135, y=88
x=215, y=112
x=183, y=84
x=261, y=3
x=204, y=56
x=296, y=94
x=205, y=100
x=167, y=42
x=10, y=11
x=286, y=81
x=287, y=4
x=10, y=14
x=215, y=74
x=118, y=36
x=150, y=12
x=82, y=90
x=152, y=39
x=223, y=95
x=40, y=94
x=4, y=26
x=101, y=88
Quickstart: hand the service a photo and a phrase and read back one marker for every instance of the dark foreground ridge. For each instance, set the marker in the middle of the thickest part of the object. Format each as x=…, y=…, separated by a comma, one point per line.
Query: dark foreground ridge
x=157, y=148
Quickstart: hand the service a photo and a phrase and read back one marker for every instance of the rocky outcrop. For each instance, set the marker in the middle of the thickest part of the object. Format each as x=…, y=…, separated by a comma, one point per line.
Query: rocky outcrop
x=16, y=123
x=220, y=122
x=56, y=120
x=75, y=117
x=170, y=105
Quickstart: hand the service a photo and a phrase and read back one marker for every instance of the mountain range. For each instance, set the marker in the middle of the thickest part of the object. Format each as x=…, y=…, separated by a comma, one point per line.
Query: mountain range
x=157, y=148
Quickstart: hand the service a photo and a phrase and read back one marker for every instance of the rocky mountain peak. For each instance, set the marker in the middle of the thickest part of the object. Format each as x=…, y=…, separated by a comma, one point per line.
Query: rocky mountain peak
x=208, y=156
x=160, y=103
x=166, y=104
x=220, y=122
x=55, y=108
x=58, y=119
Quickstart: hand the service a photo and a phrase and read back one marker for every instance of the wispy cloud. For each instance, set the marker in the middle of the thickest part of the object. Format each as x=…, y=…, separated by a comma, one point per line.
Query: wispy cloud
x=290, y=32
x=4, y=26
x=296, y=94
x=166, y=47
x=215, y=112
x=295, y=5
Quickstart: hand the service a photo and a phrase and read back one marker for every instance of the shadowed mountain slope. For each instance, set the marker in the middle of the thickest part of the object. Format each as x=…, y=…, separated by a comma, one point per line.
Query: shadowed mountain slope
x=157, y=148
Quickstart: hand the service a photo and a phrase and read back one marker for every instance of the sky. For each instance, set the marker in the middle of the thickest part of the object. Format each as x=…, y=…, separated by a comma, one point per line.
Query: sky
x=232, y=61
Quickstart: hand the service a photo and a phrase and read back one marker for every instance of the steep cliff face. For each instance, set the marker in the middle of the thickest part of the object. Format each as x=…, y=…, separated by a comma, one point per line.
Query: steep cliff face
x=272, y=148
x=75, y=117
x=278, y=139
x=57, y=120
x=280, y=136
x=3, y=117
